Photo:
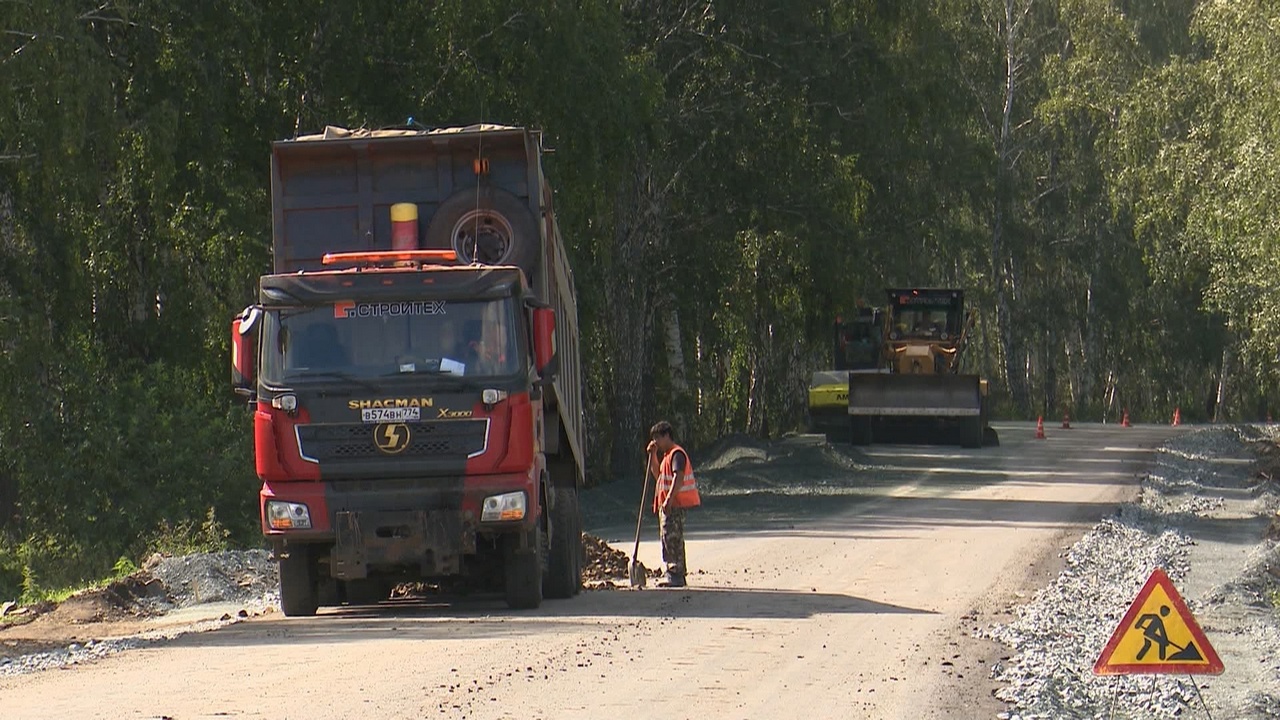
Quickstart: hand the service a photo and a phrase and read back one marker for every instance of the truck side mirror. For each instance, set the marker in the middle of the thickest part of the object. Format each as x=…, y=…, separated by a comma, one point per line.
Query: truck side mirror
x=244, y=349
x=544, y=341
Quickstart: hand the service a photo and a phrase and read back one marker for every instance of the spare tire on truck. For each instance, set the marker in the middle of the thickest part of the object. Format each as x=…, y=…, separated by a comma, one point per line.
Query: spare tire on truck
x=489, y=226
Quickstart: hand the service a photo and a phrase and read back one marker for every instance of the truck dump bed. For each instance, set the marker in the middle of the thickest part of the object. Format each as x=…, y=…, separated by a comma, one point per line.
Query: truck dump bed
x=333, y=192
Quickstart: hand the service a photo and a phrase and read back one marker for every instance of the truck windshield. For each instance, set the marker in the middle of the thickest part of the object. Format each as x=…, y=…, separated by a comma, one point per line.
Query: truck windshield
x=363, y=340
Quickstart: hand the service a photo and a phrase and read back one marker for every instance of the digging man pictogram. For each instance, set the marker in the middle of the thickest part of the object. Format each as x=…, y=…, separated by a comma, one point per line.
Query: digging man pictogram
x=1152, y=627
x=1153, y=631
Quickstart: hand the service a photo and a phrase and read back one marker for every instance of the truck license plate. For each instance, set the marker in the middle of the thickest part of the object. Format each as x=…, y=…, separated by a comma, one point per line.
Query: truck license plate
x=386, y=415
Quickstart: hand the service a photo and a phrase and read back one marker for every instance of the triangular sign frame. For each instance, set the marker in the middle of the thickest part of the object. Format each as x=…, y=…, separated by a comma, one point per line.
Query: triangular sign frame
x=1209, y=664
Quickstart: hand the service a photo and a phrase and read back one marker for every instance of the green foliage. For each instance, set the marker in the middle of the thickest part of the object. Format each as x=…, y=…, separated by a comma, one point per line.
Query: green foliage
x=1101, y=177
x=123, y=567
x=10, y=573
x=190, y=536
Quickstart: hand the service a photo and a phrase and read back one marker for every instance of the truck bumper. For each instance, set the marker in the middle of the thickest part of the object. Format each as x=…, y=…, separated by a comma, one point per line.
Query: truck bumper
x=422, y=526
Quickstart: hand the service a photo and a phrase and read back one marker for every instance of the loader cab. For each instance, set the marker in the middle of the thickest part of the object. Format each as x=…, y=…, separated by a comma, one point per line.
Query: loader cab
x=934, y=316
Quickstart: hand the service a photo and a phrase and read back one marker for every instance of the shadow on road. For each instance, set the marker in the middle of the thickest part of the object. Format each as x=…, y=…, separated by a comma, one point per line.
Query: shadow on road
x=721, y=602
x=488, y=617
x=899, y=488
x=855, y=517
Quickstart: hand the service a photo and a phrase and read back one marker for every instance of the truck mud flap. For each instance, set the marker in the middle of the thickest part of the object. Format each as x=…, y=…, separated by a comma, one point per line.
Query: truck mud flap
x=434, y=542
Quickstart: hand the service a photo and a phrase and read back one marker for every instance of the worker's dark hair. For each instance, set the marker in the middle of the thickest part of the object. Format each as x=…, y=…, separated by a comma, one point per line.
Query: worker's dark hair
x=662, y=428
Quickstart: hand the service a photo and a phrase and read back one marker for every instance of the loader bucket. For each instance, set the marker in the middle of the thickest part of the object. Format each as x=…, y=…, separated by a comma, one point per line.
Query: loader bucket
x=906, y=408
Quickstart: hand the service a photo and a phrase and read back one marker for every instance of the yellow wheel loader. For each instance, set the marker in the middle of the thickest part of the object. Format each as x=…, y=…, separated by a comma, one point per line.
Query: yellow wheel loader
x=914, y=392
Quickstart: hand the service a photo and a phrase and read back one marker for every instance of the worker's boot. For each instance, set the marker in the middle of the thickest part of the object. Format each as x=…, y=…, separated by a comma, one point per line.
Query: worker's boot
x=671, y=581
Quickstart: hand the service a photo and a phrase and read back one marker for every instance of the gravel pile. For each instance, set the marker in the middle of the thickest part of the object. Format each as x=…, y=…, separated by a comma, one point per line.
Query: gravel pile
x=1058, y=635
x=237, y=576
x=795, y=464
x=603, y=562
x=606, y=567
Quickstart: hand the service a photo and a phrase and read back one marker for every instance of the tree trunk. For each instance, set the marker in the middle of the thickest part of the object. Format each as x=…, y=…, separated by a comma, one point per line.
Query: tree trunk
x=797, y=372
x=674, y=346
x=699, y=404
x=1109, y=395
x=1049, y=356
x=8, y=501
x=1219, y=411
x=1015, y=356
x=1001, y=266
x=629, y=311
x=1089, y=351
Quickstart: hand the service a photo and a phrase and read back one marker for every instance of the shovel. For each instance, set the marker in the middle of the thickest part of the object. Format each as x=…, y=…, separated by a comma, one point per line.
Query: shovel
x=637, y=572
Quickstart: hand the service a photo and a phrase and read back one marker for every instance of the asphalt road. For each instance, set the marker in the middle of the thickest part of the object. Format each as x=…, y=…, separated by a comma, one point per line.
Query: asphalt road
x=851, y=600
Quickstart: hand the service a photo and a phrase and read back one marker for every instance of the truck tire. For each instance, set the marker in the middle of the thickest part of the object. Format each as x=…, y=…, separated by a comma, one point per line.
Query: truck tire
x=564, y=570
x=990, y=438
x=522, y=569
x=486, y=225
x=971, y=432
x=299, y=595
x=580, y=556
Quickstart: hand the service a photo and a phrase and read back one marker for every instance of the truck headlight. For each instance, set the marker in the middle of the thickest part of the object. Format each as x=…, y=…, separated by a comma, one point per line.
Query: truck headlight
x=489, y=396
x=288, y=516
x=287, y=403
x=508, y=506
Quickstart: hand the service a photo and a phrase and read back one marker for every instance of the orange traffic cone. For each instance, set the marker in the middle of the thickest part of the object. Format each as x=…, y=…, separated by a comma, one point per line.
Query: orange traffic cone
x=1066, y=421
x=1040, y=428
x=1124, y=419
x=1177, y=417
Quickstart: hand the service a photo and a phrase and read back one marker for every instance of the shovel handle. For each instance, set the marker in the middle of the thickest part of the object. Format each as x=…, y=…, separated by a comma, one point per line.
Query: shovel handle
x=644, y=492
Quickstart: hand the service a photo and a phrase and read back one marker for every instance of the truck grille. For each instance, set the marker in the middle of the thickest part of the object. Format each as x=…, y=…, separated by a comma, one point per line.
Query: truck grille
x=355, y=441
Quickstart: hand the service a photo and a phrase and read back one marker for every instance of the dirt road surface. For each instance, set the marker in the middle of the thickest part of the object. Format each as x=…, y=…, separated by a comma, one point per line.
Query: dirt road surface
x=857, y=602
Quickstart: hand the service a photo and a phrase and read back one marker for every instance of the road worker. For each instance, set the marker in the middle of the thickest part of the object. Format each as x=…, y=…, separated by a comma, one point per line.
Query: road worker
x=677, y=491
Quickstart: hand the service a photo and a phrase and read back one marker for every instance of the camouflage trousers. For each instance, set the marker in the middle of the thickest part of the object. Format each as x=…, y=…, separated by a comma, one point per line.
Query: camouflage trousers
x=671, y=532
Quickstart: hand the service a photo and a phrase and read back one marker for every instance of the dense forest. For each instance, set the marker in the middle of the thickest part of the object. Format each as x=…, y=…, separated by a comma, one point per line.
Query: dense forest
x=1100, y=175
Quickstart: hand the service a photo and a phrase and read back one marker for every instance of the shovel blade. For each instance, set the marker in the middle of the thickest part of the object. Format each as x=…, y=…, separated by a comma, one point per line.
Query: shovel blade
x=638, y=574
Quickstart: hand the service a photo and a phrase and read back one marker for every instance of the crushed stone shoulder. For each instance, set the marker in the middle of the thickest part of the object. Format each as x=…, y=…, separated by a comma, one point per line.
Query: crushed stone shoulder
x=1202, y=515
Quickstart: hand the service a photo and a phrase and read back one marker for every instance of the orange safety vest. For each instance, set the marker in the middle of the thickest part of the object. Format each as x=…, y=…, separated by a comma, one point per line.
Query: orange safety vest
x=687, y=489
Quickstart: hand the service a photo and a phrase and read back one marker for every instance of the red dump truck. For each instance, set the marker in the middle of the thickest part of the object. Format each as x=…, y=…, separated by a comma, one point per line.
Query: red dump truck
x=413, y=365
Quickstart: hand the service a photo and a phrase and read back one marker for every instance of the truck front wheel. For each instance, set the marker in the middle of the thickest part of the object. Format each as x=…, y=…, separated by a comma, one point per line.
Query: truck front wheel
x=299, y=595
x=564, y=571
x=522, y=569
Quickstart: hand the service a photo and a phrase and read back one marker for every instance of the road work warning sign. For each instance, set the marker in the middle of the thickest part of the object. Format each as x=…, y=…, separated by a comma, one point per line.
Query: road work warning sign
x=1158, y=635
